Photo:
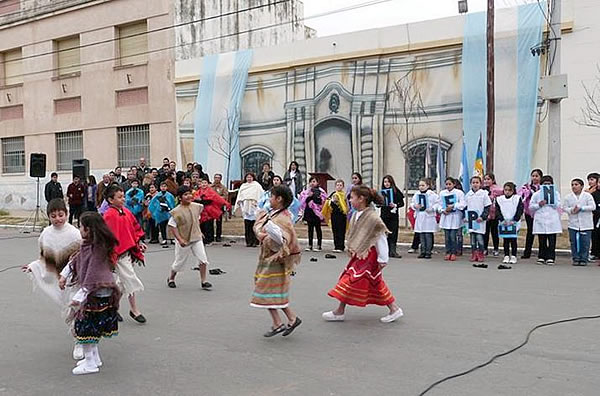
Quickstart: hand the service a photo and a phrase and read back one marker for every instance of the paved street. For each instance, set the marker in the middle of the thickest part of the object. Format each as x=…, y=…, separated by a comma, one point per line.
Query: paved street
x=210, y=343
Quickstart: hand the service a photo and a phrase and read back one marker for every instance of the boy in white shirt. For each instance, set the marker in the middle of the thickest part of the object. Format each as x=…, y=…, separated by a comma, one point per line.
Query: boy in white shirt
x=580, y=206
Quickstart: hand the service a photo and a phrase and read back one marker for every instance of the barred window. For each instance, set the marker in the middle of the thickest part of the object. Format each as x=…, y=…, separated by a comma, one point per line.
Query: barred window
x=254, y=160
x=13, y=155
x=69, y=146
x=422, y=160
x=133, y=143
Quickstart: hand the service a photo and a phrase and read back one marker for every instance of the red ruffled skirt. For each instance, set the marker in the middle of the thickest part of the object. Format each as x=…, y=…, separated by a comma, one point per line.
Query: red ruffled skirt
x=361, y=283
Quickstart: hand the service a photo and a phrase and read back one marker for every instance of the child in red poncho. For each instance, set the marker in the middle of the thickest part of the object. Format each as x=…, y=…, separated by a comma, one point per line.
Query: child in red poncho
x=129, y=251
x=213, y=209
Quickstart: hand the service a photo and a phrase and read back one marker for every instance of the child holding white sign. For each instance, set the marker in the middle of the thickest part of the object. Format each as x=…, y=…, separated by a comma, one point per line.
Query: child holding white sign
x=546, y=219
x=425, y=204
x=452, y=203
x=509, y=209
x=477, y=209
x=580, y=206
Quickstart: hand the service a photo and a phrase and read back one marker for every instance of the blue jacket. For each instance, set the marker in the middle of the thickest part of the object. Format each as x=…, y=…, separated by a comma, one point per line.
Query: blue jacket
x=160, y=206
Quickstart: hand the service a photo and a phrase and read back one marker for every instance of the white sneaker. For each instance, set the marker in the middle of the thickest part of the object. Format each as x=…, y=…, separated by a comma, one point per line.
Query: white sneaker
x=540, y=261
x=495, y=253
x=410, y=251
x=336, y=251
x=331, y=317
x=308, y=249
x=78, y=352
x=513, y=260
x=393, y=316
x=550, y=262
x=506, y=260
x=85, y=369
x=97, y=362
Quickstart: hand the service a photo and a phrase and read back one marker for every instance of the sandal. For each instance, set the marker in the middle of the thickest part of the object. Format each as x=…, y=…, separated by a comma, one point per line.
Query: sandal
x=171, y=283
x=275, y=331
x=291, y=327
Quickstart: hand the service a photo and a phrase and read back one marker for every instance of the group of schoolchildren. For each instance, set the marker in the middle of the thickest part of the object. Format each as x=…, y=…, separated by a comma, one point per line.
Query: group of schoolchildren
x=86, y=271
x=487, y=209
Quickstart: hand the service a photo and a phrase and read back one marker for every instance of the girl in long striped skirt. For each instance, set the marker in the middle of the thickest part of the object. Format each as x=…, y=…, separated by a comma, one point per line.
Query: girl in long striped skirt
x=279, y=254
x=361, y=282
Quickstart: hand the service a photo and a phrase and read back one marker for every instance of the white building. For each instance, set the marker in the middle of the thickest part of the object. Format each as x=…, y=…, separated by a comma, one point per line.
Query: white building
x=329, y=104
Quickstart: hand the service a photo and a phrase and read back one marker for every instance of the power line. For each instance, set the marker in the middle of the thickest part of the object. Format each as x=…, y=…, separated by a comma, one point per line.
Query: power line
x=50, y=6
x=143, y=33
x=294, y=20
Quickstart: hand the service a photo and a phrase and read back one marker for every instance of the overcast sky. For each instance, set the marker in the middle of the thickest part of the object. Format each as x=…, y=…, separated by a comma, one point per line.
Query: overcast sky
x=394, y=12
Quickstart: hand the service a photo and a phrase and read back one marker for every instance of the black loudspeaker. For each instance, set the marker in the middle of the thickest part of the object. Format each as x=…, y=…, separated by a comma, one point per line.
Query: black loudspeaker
x=81, y=168
x=37, y=165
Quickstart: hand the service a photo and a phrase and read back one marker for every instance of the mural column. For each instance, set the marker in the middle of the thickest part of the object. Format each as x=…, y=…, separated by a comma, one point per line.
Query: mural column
x=309, y=135
x=299, y=138
x=289, y=122
x=355, y=119
x=366, y=149
x=378, y=141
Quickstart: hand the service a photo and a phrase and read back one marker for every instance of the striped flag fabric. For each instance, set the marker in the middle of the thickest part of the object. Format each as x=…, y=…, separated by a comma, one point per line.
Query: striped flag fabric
x=478, y=165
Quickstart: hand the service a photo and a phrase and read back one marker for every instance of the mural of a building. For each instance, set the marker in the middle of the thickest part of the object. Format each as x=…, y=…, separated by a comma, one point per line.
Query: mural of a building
x=347, y=116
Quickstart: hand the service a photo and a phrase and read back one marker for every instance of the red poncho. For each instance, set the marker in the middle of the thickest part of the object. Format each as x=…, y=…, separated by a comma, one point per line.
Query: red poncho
x=127, y=230
x=213, y=204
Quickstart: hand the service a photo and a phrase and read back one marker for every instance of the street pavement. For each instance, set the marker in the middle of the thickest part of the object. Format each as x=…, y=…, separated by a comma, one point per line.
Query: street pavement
x=210, y=342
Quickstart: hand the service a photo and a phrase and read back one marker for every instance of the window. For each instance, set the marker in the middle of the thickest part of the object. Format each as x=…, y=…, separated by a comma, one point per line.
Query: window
x=133, y=43
x=422, y=165
x=69, y=146
x=133, y=143
x=68, y=58
x=13, y=67
x=13, y=155
x=254, y=160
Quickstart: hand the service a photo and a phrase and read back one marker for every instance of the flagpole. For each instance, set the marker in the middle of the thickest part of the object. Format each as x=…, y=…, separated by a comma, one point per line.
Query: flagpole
x=489, y=154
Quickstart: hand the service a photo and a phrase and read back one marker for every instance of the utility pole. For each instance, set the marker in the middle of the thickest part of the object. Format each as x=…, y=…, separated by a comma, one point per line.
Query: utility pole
x=554, y=118
x=491, y=106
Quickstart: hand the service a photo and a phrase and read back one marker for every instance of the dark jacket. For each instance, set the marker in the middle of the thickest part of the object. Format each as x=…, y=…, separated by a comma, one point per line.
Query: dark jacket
x=53, y=190
x=76, y=194
x=386, y=211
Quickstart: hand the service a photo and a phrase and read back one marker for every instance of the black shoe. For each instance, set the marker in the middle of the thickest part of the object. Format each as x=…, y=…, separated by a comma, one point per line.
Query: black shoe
x=206, y=285
x=480, y=265
x=276, y=331
x=421, y=256
x=504, y=267
x=427, y=256
x=526, y=256
x=217, y=239
x=119, y=317
x=330, y=256
x=153, y=241
x=291, y=327
x=171, y=283
x=140, y=318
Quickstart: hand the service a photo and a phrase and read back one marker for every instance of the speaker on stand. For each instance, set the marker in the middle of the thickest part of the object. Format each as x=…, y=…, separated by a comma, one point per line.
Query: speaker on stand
x=37, y=169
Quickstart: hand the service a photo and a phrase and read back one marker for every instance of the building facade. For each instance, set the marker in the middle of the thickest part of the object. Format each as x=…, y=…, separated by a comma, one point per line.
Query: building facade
x=338, y=104
x=93, y=79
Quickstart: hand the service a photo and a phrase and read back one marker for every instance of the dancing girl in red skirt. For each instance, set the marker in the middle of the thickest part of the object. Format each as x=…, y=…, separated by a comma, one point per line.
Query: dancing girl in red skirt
x=361, y=282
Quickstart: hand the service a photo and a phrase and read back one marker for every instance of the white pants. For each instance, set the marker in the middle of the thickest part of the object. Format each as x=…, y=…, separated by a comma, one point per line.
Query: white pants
x=127, y=280
x=194, y=253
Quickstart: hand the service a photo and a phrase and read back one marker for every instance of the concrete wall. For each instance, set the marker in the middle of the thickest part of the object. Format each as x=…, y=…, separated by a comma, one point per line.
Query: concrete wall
x=96, y=84
x=268, y=23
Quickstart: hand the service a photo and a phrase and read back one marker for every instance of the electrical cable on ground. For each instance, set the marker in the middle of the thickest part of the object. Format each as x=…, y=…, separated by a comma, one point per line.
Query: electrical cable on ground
x=493, y=358
x=9, y=268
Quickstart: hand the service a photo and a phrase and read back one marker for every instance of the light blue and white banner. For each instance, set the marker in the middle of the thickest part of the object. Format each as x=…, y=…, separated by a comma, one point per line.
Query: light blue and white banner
x=218, y=109
x=517, y=75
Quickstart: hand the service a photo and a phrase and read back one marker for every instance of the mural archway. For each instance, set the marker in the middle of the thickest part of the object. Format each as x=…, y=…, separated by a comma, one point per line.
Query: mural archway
x=333, y=148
